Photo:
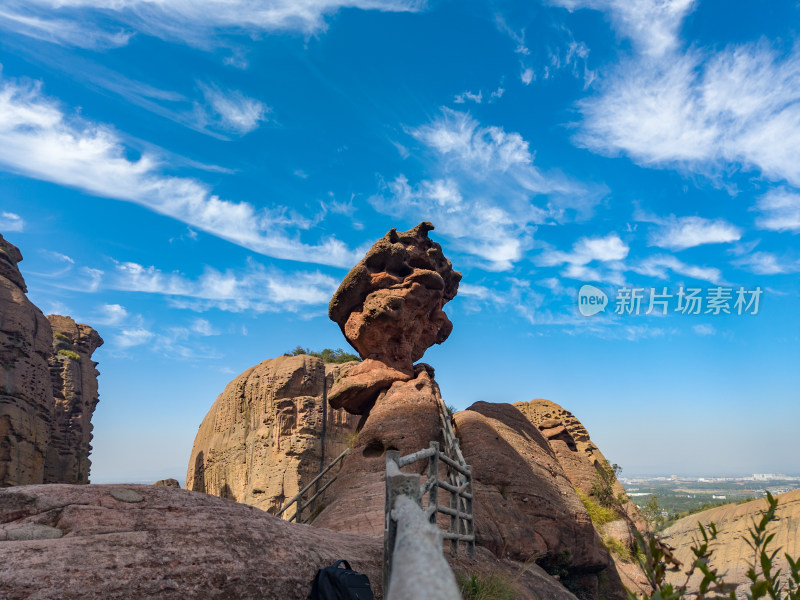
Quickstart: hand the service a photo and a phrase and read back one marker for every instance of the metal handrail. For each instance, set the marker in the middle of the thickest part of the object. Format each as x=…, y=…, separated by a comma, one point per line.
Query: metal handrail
x=299, y=495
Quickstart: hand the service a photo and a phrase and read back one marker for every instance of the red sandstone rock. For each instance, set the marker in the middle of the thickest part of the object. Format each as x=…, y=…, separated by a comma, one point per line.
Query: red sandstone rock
x=389, y=307
x=359, y=384
x=75, y=394
x=404, y=418
x=70, y=542
x=262, y=440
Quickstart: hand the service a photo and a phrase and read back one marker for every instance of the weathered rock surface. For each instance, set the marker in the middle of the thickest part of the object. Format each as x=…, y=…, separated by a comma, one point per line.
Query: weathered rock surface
x=26, y=396
x=526, y=508
x=168, y=483
x=265, y=435
x=75, y=395
x=140, y=541
x=42, y=438
x=732, y=555
x=404, y=418
x=581, y=460
x=360, y=384
x=389, y=306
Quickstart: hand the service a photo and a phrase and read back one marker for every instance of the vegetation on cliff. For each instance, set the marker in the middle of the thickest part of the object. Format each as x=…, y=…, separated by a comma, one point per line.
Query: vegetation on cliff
x=327, y=355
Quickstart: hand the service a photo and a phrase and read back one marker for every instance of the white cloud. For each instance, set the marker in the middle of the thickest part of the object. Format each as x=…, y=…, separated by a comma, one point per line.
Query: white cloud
x=704, y=329
x=63, y=31
x=128, y=338
x=469, y=96
x=586, y=250
x=660, y=265
x=766, y=263
x=527, y=75
x=652, y=25
x=111, y=314
x=203, y=327
x=485, y=193
x=231, y=110
x=780, y=210
x=679, y=233
x=38, y=140
x=11, y=222
x=256, y=289
x=192, y=21
x=701, y=111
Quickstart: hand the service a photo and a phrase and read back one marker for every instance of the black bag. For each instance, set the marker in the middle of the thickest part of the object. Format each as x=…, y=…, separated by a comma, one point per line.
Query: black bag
x=333, y=583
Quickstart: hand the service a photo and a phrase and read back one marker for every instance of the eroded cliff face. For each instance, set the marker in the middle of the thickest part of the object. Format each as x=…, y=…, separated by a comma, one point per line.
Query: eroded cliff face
x=46, y=398
x=75, y=398
x=262, y=440
x=26, y=392
x=581, y=461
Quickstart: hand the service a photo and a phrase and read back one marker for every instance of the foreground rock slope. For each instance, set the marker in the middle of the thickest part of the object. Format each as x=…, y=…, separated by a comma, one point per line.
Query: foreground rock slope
x=48, y=387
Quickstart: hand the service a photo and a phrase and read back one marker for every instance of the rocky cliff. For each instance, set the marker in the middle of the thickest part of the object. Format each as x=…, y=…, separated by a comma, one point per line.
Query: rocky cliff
x=732, y=555
x=26, y=397
x=74, y=377
x=582, y=462
x=269, y=432
x=49, y=387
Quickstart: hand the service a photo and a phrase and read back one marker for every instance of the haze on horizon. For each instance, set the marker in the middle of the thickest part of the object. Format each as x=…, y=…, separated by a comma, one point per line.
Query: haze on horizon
x=194, y=180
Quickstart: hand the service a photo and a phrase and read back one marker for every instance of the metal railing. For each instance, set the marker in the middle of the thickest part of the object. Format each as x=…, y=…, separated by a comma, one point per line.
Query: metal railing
x=298, y=499
x=400, y=485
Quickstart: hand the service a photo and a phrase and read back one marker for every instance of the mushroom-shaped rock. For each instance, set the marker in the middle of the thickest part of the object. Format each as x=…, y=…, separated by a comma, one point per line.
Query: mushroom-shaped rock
x=389, y=307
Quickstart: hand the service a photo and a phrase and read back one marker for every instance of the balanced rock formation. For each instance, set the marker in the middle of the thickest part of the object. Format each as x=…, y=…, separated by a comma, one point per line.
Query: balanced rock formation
x=49, y=387
x=269, y=433
x=731, y=554
x=26, y=395
x=74, y=377
x=389, y=306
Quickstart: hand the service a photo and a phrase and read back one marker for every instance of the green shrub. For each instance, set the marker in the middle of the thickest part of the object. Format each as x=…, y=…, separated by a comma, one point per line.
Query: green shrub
x=657, y=558
x=603, y=487
x=327, y=355
x=69, y=354
x=485, y=587
x=600, y=515
x=62, y=337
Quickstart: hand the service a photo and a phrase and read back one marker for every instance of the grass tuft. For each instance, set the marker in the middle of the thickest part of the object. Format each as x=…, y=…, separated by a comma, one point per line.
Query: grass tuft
x=69, y=354
x=485, y=587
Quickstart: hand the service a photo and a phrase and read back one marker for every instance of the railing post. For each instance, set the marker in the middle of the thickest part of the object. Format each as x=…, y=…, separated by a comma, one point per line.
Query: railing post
x=470, y=511
x=397, y=484
x=454, y=519
x=433, y=475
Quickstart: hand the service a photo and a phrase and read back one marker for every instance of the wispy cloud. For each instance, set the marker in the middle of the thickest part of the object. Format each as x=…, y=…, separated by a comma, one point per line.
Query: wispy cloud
x=661, y=265
x=701, y=111
x=231, y=111
x=11, y=222
x=767, y=263
x=66, y=32
x=485, y=193
x=679, y=233
x=652, y=25
x=468, y=96
x=586, y=250
x=780, y=210
x=39, y=140
x=256, y=289
x=192, y=21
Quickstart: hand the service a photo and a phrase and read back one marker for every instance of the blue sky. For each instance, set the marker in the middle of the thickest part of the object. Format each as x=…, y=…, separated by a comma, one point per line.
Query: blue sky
x=194, y=178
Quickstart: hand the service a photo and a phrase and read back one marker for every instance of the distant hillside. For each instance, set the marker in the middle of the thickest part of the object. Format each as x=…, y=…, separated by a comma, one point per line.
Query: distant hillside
x=731, y=552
